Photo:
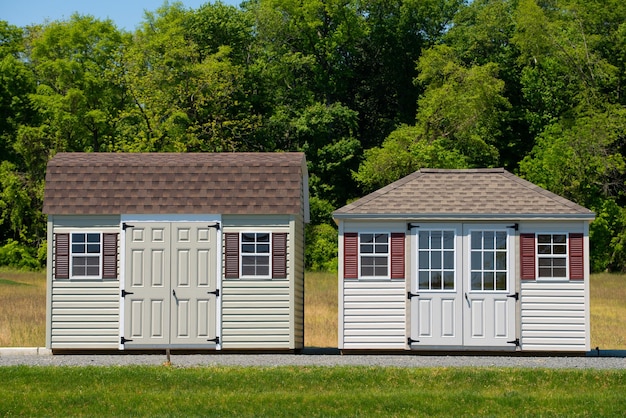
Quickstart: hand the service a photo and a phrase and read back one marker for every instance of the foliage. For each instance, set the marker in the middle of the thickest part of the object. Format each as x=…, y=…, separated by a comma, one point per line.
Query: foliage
x=16, y=255
x=321, y=248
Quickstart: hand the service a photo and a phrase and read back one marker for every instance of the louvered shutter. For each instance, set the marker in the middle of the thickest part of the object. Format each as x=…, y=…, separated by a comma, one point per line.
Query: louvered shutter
x=351, y=255
x=279, y=255
x=527, y=256
x=576, y=259
x=397, y=255
x=62, y=256
x=231, y=255
x=109, y=256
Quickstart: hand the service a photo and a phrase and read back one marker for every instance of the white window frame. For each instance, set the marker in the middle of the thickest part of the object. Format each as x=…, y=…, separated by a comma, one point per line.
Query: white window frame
x=539, y=256
x=373, y=254
x=99, y=255
x=255, y=254
x=508, y=257
x=430, y=249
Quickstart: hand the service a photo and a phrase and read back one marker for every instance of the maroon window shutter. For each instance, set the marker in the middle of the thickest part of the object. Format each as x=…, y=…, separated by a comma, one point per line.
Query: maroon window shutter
x=576, y=259
x=62, y=256
x=231, y=251
x=279, y=255
x=397, y=255
x=351, y=255
x=109, y=256
x=527, y=255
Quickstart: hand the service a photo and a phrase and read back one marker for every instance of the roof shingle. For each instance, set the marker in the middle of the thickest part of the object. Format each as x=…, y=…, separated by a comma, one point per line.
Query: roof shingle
x=473, y=192
x=175, y=183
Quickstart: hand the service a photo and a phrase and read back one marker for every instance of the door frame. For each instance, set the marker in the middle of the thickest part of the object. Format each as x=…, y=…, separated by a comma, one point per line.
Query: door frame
x=172, y=218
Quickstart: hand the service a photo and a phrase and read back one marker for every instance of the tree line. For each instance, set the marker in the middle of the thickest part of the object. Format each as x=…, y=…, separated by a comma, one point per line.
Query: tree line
x=370, y=90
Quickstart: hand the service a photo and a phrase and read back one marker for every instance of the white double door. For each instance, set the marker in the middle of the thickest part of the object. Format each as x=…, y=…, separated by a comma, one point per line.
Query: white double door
x=170, y=287
x=463, y=286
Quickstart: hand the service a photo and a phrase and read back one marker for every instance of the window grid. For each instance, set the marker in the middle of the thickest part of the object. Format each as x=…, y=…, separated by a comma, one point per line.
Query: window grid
x=255, y=254
x=552, y=255
x=374, y=254
x=86, y=253
x=436, y=260
x=488, y=260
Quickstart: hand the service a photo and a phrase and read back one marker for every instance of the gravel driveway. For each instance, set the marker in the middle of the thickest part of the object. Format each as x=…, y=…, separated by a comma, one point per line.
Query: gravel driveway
x=312, y=357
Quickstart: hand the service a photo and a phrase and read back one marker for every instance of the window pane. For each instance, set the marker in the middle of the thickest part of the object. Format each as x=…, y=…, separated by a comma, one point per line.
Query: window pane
x=448, y=260
x=263, y=237
x=488, y=260
x=476, y=261
x=367, y=261
x=380, y=271
x=423, y=260
x=544, y=249
x=367, y=238
x=435, y=260
x=381, y=238
x=93, y=248
x=93, y=271
x=78, y=238
x=247, y=237
x=247, y=248
x=93, y=237
x=544, y=239
x=488, y=281
x=501, y=240
x=448, y=240
x=545, y=262
x=545, y=272
x=500, y=281
x=558, y=272
x=424, y=241
x=367, y=271
x=367, y=248
x=78, y=248
x=263, y=248
x=382, y=248
x=477, y=243
x=477, y=282
x=559, y=239
x=559, y=249
x=423, y=280
x=500, y=260
x=435, y=280
x=263, y=271
x=558, y=262
x=489, y=240
x=248, y=270
x=448, y=280
x=436, y=238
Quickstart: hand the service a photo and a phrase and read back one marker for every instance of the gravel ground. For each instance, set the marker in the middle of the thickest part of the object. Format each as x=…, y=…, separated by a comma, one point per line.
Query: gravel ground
x=594, y=360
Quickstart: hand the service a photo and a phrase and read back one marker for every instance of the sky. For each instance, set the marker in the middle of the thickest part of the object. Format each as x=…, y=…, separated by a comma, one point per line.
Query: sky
x=126, y=14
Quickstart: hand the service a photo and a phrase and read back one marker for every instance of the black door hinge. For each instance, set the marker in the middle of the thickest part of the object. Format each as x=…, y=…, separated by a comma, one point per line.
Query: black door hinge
x=124, y=293
x=515, y=226
x=215, y=225
x=410, y=341
x=125, y=225
x=216, y=292
x=411, y=225
x=410, y=295
x=515, y=341
x=514, y=295
x=215, y=340
x=124, y=340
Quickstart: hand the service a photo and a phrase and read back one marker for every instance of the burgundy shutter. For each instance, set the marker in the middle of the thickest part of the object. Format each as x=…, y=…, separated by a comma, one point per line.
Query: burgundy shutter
x=109, y=256
x=351, y=255
x=397, y=255
x=576, y=259
x=231, y=251
x=527, y=255
x=279, y=255
x=62, y=256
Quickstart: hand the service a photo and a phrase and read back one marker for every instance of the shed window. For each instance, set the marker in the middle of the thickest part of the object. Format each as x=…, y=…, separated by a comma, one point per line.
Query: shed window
x=86, y=253
x=436, y=254
x=374, y=250
x=552, y=255
x=255, y=254
x=258, y=255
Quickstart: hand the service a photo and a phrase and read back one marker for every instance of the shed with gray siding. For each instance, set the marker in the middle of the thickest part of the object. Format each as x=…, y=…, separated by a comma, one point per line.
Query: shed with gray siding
x=180, y=251
x=464, y=260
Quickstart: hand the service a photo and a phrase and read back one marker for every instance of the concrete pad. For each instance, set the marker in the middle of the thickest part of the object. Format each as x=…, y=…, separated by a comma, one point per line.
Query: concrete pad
x=24, y=351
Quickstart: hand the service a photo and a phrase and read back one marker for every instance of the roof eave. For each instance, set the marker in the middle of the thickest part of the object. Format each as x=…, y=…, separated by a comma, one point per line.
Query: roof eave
x=467, y=217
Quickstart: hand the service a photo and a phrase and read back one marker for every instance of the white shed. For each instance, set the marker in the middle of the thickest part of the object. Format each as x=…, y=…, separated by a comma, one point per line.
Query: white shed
x=181, y=251
x=464, y=260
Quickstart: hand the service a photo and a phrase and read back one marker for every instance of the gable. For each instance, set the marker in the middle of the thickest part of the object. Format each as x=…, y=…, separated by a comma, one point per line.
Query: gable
x=463, y=193
x=175, y=183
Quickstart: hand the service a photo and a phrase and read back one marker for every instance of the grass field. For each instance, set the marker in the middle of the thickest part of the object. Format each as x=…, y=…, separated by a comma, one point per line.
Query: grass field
x=309, y=391
x=23, y=312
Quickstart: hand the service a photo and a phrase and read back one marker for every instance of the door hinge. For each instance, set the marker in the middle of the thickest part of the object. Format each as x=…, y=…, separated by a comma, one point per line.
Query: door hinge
x=514, y=295
x=515, y=226
x=124, y=340
x=411, y=225
x=410, y=341
x=215, y=225
x=216, y=292
x=215, y=340
x=124, y=293
x=410, y=295
x=125, y=225
x=515, y=341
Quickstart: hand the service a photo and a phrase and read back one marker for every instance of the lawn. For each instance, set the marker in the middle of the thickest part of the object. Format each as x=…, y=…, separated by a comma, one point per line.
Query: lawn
x=309, y=391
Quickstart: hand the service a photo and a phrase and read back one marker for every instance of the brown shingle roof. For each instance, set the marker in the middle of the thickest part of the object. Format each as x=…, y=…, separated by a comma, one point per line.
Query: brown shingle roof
x=463, y=193
x=173, y=183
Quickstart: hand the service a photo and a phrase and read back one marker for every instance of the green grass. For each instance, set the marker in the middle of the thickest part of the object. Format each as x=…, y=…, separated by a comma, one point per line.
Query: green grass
x=308, y=391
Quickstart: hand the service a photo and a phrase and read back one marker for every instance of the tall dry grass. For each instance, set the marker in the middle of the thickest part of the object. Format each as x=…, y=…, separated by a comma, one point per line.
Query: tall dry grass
x=608, y=311
x=22, y=309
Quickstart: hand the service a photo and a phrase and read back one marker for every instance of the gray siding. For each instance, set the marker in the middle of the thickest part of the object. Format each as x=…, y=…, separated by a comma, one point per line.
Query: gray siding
x=554, y=316
x=374, y=315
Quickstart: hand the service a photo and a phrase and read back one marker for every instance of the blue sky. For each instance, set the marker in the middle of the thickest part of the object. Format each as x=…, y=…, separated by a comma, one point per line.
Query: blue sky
x=126, y=14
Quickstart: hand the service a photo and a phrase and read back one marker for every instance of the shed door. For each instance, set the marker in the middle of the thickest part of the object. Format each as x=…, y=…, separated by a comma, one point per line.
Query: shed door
x=461, y=284
x=171, y=282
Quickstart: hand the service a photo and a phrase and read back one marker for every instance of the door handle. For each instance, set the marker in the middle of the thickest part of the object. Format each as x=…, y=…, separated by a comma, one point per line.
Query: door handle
x=173, y=292
x=467, y=299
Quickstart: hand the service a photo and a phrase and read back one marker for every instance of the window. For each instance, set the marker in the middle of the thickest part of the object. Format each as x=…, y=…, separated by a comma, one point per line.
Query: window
x=436, y=260
x=552, y=255
x=255, y=254
x=86, y=252
x=488, y=258
x=374, y=251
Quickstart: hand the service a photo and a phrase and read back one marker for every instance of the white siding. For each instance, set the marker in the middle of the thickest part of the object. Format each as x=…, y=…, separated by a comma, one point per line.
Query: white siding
x=554, y=316
x=256, y=314
x=85, y=314
x=374, y=315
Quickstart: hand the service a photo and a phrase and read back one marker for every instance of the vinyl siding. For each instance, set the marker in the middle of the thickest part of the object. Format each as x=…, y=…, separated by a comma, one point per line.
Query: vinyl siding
x=553, y=316
x=85, y=314
x=374, y=315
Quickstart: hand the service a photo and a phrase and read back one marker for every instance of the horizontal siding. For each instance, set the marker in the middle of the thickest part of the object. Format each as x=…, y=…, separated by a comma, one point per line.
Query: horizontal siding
x=256, y=314
x=297, y=255
x=553, y=316
x=85, y=314
x=374, y=315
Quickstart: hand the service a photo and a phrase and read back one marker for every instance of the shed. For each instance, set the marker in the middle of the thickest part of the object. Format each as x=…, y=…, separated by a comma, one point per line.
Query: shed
x=464, y=260
x=171, y=250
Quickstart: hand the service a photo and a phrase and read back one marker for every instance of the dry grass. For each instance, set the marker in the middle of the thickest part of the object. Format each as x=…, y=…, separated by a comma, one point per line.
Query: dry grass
x=320, y=310
x=608, y=311
x=22, y=309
